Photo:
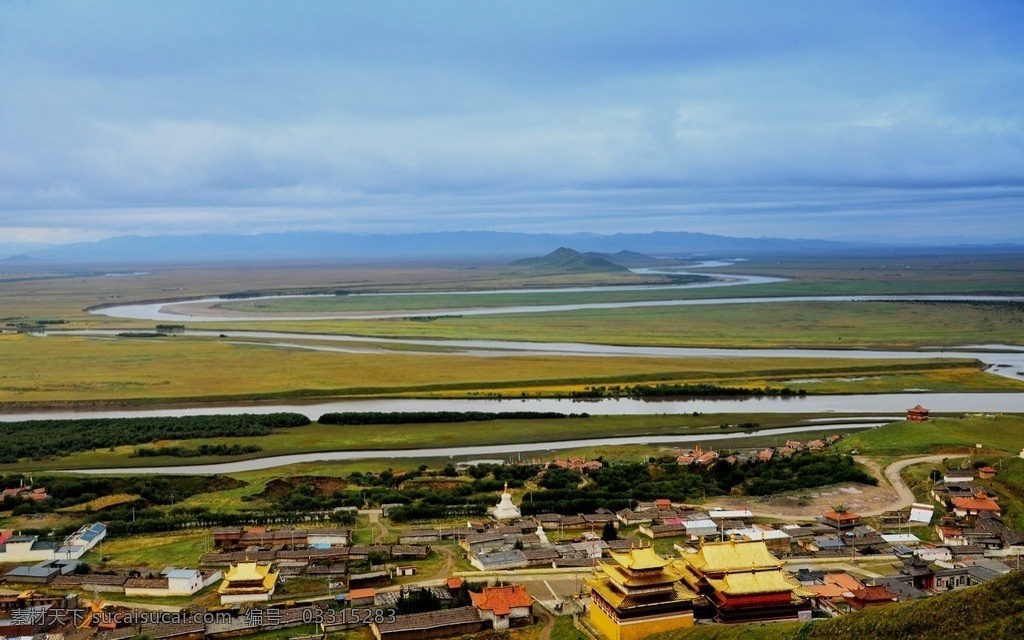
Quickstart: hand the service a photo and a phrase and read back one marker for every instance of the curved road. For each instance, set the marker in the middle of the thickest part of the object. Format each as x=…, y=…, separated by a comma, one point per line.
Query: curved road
x=905, y=497
x=892, y=474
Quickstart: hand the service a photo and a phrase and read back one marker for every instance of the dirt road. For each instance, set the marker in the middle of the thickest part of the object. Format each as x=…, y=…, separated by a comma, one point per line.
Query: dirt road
x=800, y=506
x=892, y=474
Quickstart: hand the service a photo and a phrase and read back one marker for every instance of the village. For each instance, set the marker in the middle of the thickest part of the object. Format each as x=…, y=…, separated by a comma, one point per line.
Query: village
x=655, y=566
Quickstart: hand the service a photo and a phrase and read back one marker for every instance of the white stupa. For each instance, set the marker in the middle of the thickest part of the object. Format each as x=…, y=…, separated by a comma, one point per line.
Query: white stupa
x=506, y=509
x=542, y=536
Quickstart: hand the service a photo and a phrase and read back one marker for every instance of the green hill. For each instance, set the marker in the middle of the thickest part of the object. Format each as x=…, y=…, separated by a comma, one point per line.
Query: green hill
x=565, y=260
x=993, y=611
x=624, y=258
x=941, y=435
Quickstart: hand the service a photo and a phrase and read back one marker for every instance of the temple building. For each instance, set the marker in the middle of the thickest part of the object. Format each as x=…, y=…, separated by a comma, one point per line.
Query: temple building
x=506, y=509
x=504, y=605
x=840, y=518
x=248, y=582
x=871, y=596
x=637, y=594
x=744, y=582
x=918, y=414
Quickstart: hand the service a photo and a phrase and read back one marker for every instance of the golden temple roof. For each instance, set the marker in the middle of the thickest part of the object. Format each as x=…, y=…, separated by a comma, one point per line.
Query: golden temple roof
x=639, y=559
x=603, y=586
x=248, y=572
x=732, y=555
x=758, y=582
x=629, y=580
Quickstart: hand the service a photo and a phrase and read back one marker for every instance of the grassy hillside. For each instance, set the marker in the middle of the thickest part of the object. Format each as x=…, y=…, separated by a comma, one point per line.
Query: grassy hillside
x=943, y=435
x=992, y=611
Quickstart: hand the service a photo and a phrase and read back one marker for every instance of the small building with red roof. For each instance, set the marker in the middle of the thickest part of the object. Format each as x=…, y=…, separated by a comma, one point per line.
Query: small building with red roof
x=841, y=519
x=707, y=458
x=836, y=589
x=504, y=606
x=871, y=596
x=975, y=505
x=951, y=535
x=918, y=414
x=362, y=597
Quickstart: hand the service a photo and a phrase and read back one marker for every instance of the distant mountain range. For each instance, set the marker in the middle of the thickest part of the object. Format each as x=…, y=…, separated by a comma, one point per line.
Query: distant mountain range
x=475, y=246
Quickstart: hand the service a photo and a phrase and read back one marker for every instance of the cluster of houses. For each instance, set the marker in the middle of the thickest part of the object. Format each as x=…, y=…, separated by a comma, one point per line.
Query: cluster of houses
x=699, y=458
x=497, y=607
x=16, y=548
x=576, y=463
x=725, y=568
x=257, y=557
x=974, y=523
x=34, y=494
x=793, y=446
x=919, y=577
x=637, y=592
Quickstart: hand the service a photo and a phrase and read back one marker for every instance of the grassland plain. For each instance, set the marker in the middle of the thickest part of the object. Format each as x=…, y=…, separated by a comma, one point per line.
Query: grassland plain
x=428, y=301
x=66, y=369
x=316, y=437
x=924, y=272
x=841, y=325
x=84, y=371
x=63, y=292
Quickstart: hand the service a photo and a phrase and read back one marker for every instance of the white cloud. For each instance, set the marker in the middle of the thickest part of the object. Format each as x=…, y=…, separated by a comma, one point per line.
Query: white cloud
x=729, y=116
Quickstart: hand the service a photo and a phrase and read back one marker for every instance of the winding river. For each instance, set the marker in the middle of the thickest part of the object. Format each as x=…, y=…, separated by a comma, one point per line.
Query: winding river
x=1006, y=360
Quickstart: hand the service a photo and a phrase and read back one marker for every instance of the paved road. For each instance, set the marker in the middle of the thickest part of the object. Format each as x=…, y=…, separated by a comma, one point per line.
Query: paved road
x=892, y=474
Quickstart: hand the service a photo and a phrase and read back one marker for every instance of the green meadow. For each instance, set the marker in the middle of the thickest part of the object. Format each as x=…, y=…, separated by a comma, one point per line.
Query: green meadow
x=1003, y=433
x=833, y=325
x=316, y=438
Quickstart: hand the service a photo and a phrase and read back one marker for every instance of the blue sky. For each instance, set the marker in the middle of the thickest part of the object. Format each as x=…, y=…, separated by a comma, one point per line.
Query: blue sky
x=859, y=120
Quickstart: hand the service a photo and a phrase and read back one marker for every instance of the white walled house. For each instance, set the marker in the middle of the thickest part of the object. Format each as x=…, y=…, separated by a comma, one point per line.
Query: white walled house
x=172, y=582
x=20, y=549
x=327, y=537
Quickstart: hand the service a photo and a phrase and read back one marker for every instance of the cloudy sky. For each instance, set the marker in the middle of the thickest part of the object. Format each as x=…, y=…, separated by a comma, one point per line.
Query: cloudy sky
x=793, y=119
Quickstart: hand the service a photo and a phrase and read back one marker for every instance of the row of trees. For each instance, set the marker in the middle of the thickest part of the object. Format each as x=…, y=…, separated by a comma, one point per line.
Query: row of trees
x=197, y=452
x=701, y=390
x=434, y=417
x=38, y=439
x=68, y=491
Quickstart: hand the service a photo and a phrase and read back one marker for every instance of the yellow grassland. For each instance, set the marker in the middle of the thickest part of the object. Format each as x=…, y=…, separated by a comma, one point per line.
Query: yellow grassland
x=61, y=369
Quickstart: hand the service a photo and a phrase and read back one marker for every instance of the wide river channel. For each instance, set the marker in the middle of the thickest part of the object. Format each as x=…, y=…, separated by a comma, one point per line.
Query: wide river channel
x=1005, y=360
